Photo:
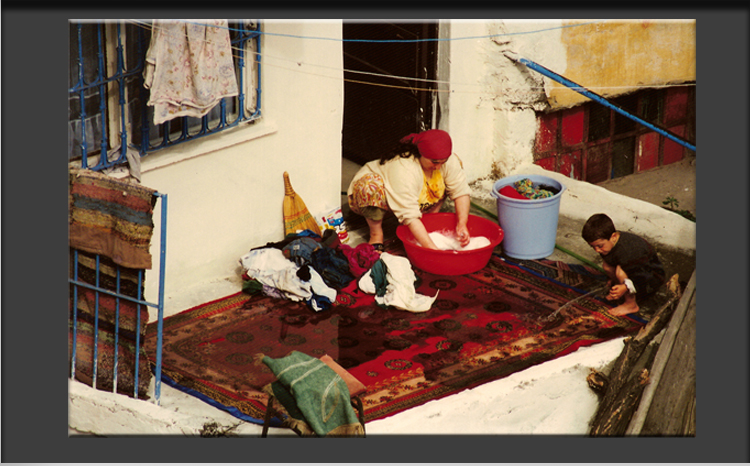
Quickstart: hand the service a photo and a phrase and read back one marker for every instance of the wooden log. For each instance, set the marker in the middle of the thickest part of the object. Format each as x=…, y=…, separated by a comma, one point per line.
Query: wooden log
x=668, y=403
x=615, y=417
x=619, y=388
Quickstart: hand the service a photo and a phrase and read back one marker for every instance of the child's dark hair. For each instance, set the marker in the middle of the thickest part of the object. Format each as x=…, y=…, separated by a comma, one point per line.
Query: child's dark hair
x=598, y=226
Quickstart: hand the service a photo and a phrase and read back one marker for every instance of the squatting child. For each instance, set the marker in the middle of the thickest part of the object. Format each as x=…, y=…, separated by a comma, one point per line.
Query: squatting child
x=634, y=270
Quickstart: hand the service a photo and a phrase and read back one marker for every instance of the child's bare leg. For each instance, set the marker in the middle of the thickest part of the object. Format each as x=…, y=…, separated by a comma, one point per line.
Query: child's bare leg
x=630, y=306
x=376, y=230
x=610, y=272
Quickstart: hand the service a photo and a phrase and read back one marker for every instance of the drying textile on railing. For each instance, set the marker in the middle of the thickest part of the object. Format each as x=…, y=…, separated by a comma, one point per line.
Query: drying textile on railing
x=189, y=67
x=111, y=217
x=111, y=226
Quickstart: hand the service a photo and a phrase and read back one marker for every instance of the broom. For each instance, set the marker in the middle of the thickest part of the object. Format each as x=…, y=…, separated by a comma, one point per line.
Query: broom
x=296, y=215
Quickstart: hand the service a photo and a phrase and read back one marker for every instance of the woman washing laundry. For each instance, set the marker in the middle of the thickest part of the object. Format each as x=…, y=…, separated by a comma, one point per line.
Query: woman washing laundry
x=414, y=179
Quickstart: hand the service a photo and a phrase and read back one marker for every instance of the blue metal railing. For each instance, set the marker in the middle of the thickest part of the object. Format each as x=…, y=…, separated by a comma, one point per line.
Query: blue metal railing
x=98, y=290
x=597, y=98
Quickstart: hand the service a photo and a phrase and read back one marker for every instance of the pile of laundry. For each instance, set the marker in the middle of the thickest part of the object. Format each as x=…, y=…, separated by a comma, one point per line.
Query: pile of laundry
x=310, y=268
x=525, y=189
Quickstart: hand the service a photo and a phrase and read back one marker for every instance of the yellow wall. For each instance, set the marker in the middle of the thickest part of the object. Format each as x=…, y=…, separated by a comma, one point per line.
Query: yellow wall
x=617, y=57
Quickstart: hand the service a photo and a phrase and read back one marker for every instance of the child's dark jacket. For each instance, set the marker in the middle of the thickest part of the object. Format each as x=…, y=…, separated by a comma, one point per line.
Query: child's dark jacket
x=639, y=261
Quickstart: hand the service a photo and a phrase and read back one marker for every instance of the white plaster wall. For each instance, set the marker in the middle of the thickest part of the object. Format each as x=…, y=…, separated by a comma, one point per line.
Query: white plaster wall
x=467, y=112
x=491, y=101
x=491, y=118
x=541, y=42
x=225, y=193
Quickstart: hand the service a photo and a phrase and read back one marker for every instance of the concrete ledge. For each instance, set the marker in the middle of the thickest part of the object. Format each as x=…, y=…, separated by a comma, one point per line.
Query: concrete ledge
x=582, y=199
x=92, y=411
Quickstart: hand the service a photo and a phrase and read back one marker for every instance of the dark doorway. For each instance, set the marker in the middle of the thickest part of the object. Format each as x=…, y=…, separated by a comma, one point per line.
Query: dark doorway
x=380, y=106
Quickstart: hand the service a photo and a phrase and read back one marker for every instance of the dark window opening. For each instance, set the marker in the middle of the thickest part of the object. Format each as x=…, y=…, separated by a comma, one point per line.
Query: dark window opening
x=613, y=145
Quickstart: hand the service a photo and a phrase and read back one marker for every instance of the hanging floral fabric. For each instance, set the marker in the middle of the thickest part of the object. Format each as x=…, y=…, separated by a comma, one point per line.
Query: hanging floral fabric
x=189, y=67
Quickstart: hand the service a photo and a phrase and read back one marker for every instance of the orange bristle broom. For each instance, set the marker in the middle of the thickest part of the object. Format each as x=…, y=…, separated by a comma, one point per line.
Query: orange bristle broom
x=296, y=215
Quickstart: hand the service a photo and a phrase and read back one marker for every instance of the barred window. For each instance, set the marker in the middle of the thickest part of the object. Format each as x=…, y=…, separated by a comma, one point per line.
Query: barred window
x=594, y=143
x=108, y=109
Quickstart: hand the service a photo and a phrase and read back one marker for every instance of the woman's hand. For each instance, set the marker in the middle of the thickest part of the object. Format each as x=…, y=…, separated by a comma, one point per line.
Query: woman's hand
x=419, y=232
x=462, y=203
x=462, y=234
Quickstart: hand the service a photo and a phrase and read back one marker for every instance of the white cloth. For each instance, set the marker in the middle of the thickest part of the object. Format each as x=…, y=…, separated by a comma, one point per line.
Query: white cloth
x=319, y=287
x=400, y=292
x=448, y=242
x=189, y=67
x=133, y=158
x=270, y=267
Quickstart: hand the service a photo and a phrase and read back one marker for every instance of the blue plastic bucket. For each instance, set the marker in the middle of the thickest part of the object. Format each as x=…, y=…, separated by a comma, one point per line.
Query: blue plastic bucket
x=530, y=225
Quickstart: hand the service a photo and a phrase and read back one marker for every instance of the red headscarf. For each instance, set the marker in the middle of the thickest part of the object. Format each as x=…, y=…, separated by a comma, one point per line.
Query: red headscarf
x=433, y=144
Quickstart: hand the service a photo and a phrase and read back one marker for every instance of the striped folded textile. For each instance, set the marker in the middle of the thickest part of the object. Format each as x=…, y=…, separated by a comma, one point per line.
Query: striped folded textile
x=111, y=217
x=110, y=230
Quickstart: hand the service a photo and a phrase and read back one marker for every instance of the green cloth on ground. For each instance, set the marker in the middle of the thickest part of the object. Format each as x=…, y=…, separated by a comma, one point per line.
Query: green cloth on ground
x=252, y=286
x=378, y=274
x=320, y=394
x=285, y=397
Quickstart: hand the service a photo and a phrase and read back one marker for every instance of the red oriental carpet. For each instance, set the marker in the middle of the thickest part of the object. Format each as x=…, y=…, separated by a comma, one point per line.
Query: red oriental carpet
x=483, y=326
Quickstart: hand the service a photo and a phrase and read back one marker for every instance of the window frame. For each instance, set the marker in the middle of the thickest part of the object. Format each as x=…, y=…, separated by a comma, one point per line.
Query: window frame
x=119, y=66
x=616, y=147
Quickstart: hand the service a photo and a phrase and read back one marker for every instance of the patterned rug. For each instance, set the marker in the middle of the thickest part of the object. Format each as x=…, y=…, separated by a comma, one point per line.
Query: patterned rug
x=579, y=276
x=483, y=326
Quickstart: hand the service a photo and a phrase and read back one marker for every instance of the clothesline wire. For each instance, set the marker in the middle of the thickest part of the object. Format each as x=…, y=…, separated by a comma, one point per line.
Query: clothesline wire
x=453, y=91
x=145, y=25
x=385, y=41
x=237, y=49
x=426, y=80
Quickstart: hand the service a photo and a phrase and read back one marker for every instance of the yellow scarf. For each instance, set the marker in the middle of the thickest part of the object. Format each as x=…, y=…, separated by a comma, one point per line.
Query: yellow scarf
x=433, y=191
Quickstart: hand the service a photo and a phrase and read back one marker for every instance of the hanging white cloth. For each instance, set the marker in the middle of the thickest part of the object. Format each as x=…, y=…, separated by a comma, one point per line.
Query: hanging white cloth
x=399, y=292
x=189, y=67
x=133, y=158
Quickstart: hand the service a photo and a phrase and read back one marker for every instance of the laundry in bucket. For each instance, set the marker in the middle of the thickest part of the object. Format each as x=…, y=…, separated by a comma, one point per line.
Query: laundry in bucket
x=526, y=188
x=530, y=225
x=446, y=241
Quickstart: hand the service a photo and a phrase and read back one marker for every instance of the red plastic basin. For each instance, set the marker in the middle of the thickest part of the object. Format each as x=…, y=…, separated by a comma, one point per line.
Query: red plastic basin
x=442, y=262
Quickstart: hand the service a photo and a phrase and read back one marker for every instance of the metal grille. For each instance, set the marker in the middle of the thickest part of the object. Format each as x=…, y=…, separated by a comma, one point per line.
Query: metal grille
x=612, y=145
x=100, y=291
x=107, y=100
